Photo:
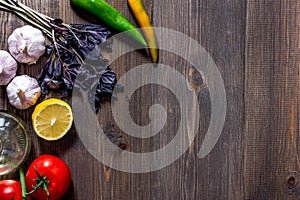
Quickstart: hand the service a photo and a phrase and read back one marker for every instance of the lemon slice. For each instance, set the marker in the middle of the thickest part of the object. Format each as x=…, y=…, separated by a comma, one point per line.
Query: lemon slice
x=52, y=119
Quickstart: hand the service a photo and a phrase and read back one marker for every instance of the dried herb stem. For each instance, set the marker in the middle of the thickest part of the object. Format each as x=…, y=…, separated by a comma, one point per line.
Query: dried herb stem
x=34, y=23
x=34, y=15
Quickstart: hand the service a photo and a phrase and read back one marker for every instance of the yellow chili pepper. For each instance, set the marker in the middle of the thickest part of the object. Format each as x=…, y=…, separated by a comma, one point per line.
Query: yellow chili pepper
x=143, y=20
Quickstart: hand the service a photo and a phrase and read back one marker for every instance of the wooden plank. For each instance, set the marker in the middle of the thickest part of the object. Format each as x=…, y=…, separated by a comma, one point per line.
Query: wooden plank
x=219, y=26
x=272, y=100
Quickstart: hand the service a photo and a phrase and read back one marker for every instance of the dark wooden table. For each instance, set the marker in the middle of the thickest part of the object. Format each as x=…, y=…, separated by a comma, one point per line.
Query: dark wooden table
x=255, y=45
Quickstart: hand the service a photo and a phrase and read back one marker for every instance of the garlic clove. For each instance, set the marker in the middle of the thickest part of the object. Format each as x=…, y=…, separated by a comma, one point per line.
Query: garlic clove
x=8, y=67
x=23, y=92
x=27, y=44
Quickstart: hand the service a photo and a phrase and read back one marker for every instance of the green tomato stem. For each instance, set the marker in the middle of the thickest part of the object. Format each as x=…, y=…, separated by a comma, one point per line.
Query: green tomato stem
x=41, y=182
x=23, y=185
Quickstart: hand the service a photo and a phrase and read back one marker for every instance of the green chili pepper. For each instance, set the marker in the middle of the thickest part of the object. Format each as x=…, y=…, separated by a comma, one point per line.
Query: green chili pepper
x=111, y=16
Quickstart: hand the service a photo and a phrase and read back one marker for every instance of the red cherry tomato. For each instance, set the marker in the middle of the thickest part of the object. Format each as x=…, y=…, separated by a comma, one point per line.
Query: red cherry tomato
x=54, y=172
x=10, y=189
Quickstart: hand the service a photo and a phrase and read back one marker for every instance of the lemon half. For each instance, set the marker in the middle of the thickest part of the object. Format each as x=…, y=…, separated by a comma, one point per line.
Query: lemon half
x=52, y=119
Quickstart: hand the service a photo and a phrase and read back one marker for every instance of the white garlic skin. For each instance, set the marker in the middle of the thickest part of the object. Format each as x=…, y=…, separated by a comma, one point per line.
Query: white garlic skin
x=8, y=67
x=23, y=92
x=27, y=44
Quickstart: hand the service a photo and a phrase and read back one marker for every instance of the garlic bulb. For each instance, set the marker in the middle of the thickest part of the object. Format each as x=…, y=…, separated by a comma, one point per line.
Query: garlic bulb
x=26, y=44
x=8, y=67
x=23, y=92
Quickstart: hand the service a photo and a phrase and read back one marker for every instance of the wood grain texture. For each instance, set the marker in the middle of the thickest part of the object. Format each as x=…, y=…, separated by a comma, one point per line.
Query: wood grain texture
x=272, y=100
x=255, y=45
x=219, y=27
